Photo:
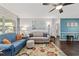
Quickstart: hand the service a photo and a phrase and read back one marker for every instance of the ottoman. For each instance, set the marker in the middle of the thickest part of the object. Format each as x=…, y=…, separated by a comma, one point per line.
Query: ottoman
x=30, y=44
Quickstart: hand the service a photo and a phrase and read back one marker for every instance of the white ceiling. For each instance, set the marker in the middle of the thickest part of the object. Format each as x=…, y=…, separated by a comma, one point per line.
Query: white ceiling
x=37, y=10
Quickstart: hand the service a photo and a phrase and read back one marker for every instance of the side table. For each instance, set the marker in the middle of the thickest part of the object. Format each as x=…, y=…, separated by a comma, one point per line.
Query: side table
x=70, y=38
x=52, y=39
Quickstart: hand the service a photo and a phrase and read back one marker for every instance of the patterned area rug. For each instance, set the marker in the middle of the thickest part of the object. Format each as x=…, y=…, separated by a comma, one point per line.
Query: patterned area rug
x=42, y=50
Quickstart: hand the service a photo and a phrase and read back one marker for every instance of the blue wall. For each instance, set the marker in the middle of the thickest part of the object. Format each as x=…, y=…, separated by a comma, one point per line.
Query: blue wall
x=65, y=29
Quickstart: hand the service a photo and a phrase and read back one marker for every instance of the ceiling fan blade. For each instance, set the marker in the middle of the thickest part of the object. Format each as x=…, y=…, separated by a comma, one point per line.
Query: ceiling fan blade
x=46, y=3
x=61, y=10
x=67, y=4
x=52, y=9
x=52, y=4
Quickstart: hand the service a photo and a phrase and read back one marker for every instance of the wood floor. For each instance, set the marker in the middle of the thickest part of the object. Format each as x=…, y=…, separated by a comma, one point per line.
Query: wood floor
x=70, y=48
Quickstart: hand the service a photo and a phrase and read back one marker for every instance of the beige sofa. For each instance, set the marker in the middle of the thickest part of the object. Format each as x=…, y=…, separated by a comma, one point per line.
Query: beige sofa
x=39, y=37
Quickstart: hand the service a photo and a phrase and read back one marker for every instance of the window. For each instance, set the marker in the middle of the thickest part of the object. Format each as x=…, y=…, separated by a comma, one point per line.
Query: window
x=6, y=26
x=1, y=25
x=9, y=26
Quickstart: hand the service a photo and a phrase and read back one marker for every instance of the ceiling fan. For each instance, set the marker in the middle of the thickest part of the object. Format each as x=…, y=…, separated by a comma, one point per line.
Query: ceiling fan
x=57, y=6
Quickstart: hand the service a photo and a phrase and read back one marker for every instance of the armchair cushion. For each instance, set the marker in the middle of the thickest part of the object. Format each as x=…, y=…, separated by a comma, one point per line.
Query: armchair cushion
x=33, y=38
x=18, y=45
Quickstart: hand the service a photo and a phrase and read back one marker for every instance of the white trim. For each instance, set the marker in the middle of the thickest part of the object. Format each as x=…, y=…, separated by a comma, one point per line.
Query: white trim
x=69, y=32
x=66, y=39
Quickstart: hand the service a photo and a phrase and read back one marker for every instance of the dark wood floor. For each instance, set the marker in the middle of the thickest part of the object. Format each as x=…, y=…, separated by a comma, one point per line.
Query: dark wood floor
x=70, y=48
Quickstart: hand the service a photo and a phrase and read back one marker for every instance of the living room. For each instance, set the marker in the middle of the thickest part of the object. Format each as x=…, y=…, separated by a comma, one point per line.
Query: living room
x=32, y=29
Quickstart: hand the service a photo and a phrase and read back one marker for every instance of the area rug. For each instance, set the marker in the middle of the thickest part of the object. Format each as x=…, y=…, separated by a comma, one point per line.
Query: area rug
x=42, y=50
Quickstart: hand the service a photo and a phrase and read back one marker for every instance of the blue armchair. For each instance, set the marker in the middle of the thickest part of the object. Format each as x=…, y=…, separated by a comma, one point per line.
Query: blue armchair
x=15, y=47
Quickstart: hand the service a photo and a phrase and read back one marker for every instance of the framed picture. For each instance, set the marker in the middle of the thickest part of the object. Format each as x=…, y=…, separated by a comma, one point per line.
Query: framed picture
x=72, y=24
x=38, y=25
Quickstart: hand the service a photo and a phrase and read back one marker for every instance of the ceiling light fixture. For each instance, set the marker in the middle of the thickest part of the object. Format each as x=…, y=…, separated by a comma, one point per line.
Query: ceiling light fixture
x=59, y=7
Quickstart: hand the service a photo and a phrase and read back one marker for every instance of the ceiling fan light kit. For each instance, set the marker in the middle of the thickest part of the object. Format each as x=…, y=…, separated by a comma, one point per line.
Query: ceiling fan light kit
x=59, y=7
x=60, y=10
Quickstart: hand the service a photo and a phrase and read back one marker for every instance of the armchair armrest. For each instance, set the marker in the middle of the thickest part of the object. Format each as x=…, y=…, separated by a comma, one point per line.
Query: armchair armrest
x=8, y=49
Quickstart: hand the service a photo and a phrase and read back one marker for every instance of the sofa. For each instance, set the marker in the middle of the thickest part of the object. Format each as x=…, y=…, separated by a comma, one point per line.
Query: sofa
x=39, y=37
x=15, y=46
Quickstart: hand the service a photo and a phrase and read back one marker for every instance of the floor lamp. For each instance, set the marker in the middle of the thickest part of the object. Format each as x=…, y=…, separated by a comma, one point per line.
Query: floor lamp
x=48, y=29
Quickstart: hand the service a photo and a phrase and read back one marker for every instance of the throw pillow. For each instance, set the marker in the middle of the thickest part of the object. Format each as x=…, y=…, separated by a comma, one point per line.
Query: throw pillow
x=6, y=41
x=18, y=37
x=44, y=35
x=22, y=35
x=30, y=35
